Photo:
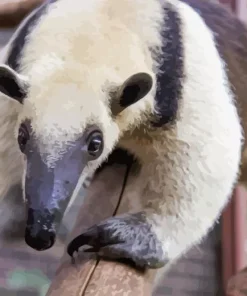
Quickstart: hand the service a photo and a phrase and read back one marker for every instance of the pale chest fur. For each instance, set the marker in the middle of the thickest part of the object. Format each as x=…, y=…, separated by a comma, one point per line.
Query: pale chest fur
x=146, y=145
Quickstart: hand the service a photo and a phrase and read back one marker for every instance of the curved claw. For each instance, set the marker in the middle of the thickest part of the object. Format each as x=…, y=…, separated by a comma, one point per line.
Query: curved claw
x=87, y=238
x=74, y=245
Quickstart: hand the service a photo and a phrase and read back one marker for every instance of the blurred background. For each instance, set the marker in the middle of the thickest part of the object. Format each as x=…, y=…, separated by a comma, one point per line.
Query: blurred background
x=25, y=272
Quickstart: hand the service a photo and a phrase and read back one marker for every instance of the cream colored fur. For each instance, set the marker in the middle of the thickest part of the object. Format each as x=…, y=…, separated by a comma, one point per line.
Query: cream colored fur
x=11, y=160
x=188, y=171
x=74, y=78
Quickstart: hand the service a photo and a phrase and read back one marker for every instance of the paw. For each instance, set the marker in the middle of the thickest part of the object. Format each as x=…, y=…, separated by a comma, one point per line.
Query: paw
x=123, y=237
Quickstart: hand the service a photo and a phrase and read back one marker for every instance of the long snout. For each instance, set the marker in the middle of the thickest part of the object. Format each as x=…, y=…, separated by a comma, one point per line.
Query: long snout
x=46, y=208
x=47, y=203
x=48, y=192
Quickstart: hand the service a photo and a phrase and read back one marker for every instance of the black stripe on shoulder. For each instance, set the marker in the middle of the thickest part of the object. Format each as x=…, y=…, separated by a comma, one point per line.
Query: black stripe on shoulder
x=18, y=43
x=171, y=75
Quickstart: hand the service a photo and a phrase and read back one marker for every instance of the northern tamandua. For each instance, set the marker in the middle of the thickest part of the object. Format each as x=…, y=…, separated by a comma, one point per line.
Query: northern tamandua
x=165, y=80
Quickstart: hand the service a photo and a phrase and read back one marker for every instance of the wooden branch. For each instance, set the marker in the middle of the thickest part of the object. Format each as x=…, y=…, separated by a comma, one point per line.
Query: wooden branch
x=12, y=12
x=90, y=276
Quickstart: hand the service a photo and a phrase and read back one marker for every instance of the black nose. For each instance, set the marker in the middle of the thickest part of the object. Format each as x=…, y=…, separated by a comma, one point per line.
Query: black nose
x=42, y=240
x=40, y=231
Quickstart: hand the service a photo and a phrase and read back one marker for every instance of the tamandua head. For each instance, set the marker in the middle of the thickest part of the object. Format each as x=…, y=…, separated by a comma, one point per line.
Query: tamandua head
x=63, y=139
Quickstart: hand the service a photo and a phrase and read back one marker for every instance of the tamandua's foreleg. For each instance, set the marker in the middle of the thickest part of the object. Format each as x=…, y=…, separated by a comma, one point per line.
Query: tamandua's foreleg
x=183, y=189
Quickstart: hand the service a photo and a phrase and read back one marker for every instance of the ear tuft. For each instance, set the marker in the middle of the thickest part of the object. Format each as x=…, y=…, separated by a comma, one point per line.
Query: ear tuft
x=12, y=84
x=133, y=89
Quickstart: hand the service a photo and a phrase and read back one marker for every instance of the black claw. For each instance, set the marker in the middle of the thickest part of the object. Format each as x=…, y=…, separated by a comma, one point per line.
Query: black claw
x=72, y=248
x=87, y=238
x=76, y=243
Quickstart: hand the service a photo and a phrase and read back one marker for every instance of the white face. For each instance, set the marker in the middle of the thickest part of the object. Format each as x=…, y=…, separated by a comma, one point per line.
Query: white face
x=64, y=132
x=59, y=122
x=60, y=143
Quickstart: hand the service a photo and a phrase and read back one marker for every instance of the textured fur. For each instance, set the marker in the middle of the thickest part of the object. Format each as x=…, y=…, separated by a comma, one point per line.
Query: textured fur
x=188, y=167
x=11, y=161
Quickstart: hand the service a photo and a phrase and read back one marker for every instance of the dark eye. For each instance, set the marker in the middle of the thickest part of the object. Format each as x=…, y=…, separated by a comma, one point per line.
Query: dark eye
x=95, y=144
x=23, y=137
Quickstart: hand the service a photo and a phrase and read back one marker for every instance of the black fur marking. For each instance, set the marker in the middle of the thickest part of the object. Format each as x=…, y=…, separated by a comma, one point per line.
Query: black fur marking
x=10, y=86
x=18, y=44
x=170, y=79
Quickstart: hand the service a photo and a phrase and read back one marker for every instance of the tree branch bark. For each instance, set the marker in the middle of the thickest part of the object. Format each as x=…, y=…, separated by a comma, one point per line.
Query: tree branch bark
x=90, y=276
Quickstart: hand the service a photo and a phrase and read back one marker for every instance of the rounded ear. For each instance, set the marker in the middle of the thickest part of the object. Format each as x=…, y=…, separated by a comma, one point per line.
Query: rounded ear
x=13, y=84
x=132, y=90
